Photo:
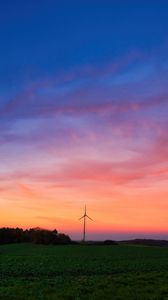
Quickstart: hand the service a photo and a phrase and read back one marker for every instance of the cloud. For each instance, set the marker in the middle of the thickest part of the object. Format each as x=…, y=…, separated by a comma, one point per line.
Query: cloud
x=148, y=164
x=88, y=90
x=84, y=101
x=50, y=219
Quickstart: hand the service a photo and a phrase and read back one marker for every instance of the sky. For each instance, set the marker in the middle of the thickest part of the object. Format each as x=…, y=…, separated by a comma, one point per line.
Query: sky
x=84, y=117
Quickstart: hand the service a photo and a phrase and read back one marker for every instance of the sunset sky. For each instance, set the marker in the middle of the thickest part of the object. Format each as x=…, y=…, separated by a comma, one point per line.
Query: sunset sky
x=84, y=116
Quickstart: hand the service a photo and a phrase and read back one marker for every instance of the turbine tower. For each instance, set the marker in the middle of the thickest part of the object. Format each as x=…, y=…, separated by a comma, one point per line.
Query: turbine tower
x=84, y=223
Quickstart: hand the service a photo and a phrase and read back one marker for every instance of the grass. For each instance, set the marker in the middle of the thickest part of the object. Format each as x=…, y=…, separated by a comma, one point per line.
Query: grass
x=76, y=272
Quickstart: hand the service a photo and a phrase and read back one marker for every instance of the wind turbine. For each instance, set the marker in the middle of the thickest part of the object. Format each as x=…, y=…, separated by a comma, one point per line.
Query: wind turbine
x=84, y=223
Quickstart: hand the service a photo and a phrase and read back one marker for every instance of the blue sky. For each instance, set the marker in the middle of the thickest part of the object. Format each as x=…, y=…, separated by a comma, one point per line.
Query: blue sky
x=43, y=37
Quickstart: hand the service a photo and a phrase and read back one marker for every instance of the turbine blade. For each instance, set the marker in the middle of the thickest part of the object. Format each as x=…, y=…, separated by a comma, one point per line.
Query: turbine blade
x=89, y=217
x=81, y=217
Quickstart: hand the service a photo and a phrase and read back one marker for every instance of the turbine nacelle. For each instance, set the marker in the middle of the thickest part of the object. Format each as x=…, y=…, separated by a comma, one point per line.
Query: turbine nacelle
x=86, y=217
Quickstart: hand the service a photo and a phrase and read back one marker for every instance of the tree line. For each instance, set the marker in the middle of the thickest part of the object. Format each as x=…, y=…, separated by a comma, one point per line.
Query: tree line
x=33, y=235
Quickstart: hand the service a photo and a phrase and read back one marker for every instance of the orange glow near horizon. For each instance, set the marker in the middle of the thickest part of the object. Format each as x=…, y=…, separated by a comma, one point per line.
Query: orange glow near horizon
x=125, y=210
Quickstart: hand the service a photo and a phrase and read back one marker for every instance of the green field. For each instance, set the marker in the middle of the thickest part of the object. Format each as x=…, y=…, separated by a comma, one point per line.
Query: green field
x=83, y=272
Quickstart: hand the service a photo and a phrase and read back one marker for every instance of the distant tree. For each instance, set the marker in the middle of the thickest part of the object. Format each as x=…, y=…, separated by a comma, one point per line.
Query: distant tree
x=34, y=235
x=42, y=236
x=109, y=242
x=11, y=235
x=63, y=239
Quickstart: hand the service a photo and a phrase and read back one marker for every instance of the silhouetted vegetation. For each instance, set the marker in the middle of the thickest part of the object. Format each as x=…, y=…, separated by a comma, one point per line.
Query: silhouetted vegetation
x=146, y=242
x=110, y=242
x=99, y=243
x=33, y=235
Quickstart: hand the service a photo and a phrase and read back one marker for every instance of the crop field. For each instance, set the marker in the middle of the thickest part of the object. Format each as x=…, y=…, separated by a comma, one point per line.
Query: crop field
x=76, y=272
